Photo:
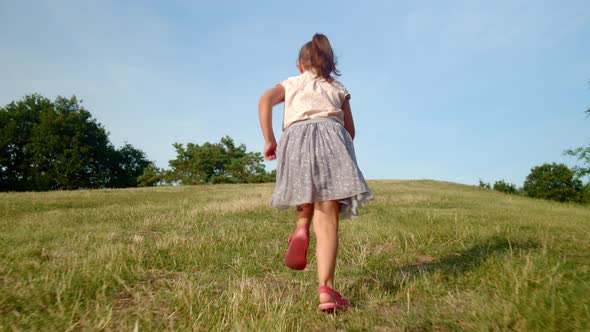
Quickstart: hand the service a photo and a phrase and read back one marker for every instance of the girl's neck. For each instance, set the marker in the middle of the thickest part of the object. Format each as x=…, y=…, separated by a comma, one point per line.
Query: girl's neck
x=310, y=71
x=314, y=74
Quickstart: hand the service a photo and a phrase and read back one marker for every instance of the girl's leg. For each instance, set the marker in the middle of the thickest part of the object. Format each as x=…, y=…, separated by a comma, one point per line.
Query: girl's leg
x=326, y=231
x=304, y=215
x=296, y=256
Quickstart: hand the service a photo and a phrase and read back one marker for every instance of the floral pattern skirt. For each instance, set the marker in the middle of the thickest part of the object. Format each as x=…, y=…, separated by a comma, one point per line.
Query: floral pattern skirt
x=316, y=162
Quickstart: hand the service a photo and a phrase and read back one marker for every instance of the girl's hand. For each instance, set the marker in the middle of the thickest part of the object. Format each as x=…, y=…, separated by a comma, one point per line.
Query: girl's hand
x=267, y=101
x=269, y=150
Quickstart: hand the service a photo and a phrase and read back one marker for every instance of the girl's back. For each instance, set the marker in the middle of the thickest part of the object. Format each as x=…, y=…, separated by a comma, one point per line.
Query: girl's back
x=308, y=96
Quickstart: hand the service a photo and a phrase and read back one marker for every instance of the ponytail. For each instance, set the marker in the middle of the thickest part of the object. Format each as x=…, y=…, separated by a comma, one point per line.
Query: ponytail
x=318, y=55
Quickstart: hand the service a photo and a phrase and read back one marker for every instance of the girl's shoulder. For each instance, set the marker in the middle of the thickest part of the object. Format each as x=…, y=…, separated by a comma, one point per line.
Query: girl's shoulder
x=336, y=83
x=293, y=80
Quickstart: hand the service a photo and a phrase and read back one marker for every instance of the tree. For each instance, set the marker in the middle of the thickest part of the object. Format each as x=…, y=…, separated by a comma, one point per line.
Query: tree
x=151, y=176
x=127, y=164
x=582, y=153
x=553, y=181
x=222, y=162
x=48, y=145
x=68, y=149
x=17, y=121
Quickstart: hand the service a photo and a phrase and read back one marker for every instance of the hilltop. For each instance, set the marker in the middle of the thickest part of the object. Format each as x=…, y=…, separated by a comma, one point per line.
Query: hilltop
x=424, y=255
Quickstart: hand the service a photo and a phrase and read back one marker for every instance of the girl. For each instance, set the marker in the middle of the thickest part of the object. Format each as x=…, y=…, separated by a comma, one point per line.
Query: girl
x=316, y=164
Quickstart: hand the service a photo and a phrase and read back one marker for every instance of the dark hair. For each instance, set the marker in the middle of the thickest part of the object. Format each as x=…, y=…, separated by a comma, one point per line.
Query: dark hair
x=318, y=56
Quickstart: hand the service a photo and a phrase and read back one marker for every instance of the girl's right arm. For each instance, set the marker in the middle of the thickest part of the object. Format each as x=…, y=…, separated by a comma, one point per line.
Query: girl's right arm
x=270, y=98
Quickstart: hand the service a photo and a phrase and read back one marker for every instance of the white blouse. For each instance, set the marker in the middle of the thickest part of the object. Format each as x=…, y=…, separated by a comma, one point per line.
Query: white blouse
x=308, y=97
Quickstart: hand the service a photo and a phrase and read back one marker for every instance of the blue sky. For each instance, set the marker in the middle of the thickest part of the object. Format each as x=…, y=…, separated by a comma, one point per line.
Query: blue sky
x=453, y=90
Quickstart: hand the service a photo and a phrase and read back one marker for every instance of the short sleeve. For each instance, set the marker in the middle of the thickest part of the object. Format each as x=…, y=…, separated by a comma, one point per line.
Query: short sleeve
x=346, y=94
x=287, y=83
x=341, y=90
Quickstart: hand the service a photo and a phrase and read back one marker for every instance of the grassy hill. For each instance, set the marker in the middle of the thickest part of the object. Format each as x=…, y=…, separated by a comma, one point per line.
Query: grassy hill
x=424, y=255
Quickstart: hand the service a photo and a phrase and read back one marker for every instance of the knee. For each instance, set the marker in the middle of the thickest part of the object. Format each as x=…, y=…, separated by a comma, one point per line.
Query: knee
x=328, y=207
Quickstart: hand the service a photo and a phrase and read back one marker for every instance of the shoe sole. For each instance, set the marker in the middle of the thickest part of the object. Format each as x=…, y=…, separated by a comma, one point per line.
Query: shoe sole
x=296, y=257
x=330, y=307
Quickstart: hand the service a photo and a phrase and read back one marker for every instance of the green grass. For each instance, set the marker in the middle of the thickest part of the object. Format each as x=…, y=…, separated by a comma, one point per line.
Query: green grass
x=424, y=255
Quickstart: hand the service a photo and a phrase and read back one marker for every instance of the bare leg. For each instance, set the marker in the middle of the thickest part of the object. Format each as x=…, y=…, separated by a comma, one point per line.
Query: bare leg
x=296, y=255
x=304, y=215
x=326, y=232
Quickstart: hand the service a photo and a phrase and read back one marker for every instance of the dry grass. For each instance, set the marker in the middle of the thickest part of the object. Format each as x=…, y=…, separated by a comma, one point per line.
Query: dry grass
x=424, y=255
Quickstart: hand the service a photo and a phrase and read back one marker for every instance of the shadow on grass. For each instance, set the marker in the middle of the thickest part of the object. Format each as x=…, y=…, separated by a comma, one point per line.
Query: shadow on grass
x=393, y=278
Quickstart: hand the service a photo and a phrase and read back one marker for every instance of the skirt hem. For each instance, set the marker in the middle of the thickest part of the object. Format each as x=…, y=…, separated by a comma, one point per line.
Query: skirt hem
x=316, y=162
x=349, y=204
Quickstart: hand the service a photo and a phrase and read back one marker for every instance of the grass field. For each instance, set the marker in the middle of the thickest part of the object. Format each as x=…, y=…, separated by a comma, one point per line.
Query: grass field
x=424, y=255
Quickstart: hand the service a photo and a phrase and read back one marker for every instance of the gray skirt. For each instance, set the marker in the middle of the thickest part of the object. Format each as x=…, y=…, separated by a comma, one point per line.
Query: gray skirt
x=316, y=162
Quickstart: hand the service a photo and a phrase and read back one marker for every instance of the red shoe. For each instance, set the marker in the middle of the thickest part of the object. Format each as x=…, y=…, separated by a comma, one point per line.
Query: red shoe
x=339, y=302
x=296, y=257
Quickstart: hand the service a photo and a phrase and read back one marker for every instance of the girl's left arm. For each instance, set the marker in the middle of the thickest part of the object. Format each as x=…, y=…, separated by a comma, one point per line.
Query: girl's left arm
x=348, y=121
x=270, y=98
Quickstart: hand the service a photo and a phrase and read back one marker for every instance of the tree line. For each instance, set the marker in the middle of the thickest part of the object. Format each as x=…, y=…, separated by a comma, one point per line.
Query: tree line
x=210, y=163
x=551, y=181
x=49, y=145
x=554, y=181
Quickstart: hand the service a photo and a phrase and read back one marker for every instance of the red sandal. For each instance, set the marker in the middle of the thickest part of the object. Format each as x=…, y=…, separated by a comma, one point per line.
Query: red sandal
x=339, y=301
x=296, y=257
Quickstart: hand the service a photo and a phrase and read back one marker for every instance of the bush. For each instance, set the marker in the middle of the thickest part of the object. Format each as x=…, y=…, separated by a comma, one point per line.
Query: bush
x=586, y=193
x=505, y=187
x=553, y=181
x=484, y=185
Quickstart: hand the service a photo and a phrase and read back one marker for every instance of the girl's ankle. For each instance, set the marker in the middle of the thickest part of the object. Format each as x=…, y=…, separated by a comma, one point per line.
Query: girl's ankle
x=298, y=227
